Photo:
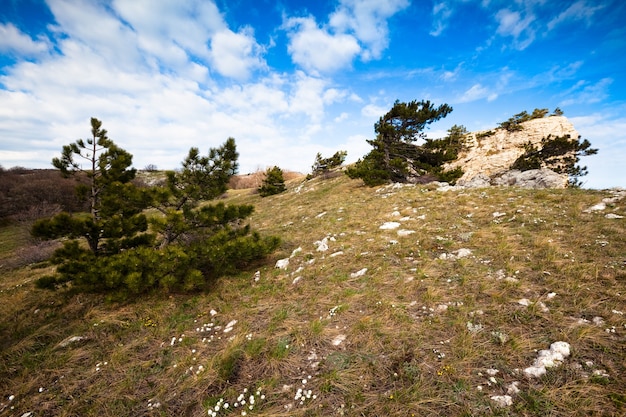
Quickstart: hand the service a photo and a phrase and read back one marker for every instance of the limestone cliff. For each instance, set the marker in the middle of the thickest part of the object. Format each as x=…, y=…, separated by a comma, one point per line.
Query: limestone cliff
x=491, y=155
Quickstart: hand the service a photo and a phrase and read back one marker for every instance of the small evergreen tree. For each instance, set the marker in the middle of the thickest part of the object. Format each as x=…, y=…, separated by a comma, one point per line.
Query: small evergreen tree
x=394, y=154
x=273, y=183
x=196, y=242
x=201, y=178
x=322, y=166
x=560, y=154
x=115, y=220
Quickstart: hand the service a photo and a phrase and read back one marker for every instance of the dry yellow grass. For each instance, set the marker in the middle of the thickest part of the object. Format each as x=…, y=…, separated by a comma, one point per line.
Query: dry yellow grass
x=418, y=333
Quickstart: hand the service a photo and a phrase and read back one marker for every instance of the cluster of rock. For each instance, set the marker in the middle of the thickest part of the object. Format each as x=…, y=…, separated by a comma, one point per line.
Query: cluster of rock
x=490, y=155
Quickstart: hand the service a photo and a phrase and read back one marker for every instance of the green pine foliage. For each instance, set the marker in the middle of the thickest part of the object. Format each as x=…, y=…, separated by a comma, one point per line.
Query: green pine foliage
x=322, y=166
x=273, y=183
x=116, y=220
x=396, y=158
x=560, y=154
x=186, y=246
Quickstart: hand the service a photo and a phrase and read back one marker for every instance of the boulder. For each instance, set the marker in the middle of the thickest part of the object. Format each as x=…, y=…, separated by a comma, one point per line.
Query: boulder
x=534, y=178
x=490, y=154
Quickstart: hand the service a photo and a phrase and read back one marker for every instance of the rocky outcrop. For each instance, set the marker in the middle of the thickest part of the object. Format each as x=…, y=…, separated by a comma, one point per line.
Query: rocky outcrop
x=490, y=154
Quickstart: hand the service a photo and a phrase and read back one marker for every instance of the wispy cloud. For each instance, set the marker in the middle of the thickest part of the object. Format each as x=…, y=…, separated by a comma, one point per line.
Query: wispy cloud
x=584, y=92
x=441, y=15
x=13, y=41
x=514, y=24
x=477, y=92
x=578, y=11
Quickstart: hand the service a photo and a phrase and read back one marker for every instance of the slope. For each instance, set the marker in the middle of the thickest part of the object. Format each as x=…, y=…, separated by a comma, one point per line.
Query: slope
x=401, y=300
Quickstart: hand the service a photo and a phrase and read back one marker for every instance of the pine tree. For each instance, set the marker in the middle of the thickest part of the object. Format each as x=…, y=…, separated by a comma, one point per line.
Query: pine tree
x=273, y=183
x=394, y=150
x=115, y=220
x=323, y=166
x=560, y=154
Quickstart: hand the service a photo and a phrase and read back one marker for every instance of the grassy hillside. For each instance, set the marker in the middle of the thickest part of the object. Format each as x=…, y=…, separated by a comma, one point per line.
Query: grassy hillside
x=440, y=315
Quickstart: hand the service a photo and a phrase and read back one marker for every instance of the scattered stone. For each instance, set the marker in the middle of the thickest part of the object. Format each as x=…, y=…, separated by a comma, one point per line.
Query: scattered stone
x=613, y=216
x=548, y=358
x=296, y=251
x=458, y=254
x=257, y=276
x=513, y=388
x=338, y=339
x=332, y=255
x=296, y=280
x=70, y=340
x=597, y=207
x=282, y=263
x=322, y=245
x=474, y=328
x=404, y=232
x=502, y=400
x=390, y=226
x=358, y=273
x=229, y=326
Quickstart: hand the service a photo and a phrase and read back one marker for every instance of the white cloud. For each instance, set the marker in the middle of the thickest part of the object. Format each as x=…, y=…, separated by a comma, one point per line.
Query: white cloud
x=367, y=20
x=12, y=41
x=511, y=23
x=236, y=55
x=441, y=15
x=373, y=111
x=308, y=96
x=477, y=92
x=583, y=92
x=355, y=28
x=606, y=133
x=575, y=12
x=316, y=50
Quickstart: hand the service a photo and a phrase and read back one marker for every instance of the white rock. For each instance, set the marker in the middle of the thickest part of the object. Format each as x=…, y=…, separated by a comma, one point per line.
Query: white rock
x=404, y=232
x=70, y=340
x=282, y=263
x=513, y=388
x=322, y=245
x=296, y=280
x=502, y=400
x=548, y=358
x=295, y=252
x=613, y=216
x=338, y=339
x=597, y=207
x=332, y=255
x=390, y=226
x=358, y=273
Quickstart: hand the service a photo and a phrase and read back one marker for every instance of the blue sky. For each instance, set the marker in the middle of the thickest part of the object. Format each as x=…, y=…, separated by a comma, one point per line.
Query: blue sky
x=288, y=79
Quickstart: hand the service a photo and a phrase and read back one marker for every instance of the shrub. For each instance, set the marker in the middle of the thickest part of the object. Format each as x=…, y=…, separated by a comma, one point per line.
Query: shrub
x=322, y=166
x=273, y=183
